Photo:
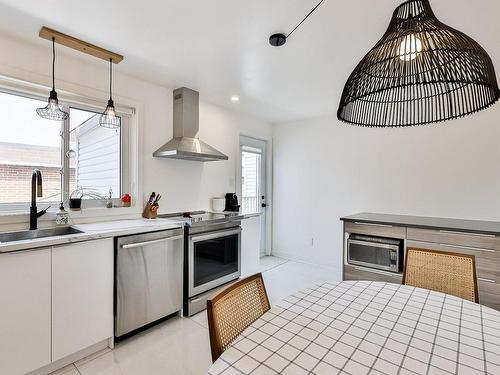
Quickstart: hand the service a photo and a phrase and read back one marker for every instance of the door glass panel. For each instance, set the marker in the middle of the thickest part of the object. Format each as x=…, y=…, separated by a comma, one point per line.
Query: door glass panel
x=215, y=258
x=250, y=174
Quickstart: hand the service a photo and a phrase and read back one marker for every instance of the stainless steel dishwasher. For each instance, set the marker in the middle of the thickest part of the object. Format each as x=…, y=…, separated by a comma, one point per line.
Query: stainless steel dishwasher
x=148, y=280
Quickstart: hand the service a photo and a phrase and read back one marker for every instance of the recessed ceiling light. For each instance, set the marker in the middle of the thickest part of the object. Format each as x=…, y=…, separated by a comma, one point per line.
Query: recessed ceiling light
x=235, y=98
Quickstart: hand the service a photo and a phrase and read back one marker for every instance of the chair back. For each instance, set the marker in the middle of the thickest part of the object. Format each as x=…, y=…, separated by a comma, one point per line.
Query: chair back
x=446, y=272
x=233, y=310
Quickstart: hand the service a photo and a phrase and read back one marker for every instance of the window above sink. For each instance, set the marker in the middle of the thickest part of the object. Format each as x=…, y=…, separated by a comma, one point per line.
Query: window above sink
x=76, y=153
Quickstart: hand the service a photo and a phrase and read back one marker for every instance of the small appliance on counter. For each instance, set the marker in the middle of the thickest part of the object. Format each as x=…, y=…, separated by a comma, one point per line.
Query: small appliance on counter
x=218, y=204
x=232, y=203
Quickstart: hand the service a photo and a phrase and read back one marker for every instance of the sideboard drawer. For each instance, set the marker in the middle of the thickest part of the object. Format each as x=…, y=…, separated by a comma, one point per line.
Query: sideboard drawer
x=473, y=240
x=361, y=273
x=380, y=230
x=487, y=262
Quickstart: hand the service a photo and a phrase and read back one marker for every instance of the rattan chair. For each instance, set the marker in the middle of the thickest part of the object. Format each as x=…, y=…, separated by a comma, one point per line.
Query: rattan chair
x=233, y=310
x=450, y=273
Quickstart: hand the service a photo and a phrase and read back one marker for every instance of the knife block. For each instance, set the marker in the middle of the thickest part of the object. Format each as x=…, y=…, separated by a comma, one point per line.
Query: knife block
x=150, y=211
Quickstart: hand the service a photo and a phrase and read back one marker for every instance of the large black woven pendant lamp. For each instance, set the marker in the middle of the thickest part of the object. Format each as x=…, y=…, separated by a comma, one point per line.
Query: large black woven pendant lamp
x=421, y=71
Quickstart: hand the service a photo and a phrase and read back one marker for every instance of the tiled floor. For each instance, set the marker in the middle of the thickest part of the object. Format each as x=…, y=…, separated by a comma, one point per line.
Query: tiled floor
x=181, y=345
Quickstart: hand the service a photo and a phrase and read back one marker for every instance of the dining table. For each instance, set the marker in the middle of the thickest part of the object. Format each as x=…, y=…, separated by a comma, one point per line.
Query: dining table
x=366, y=327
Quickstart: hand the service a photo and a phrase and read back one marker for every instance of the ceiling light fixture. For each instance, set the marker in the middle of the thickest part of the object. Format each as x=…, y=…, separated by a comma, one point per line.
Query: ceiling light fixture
x=235, y=98
x=109, y=119
x=279, y=39
x=421, y=71
x=52, y=111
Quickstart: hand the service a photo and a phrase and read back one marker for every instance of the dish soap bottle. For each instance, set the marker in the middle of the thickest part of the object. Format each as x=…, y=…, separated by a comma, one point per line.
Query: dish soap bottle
x=62, y=216
x=109, y=202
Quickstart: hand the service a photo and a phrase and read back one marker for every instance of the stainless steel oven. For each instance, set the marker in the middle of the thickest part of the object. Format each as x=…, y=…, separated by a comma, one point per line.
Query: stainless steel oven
x=214, y=258
x=375, y=252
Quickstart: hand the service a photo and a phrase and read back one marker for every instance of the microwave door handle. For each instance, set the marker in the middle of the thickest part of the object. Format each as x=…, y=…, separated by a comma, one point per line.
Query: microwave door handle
x=146, y=243
x=374, y=244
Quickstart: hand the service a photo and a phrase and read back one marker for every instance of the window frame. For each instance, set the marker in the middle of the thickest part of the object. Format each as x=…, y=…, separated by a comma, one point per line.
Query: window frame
x=32, y=91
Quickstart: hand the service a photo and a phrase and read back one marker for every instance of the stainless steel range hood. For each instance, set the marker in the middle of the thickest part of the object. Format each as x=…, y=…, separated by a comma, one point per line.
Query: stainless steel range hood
x=185, y=144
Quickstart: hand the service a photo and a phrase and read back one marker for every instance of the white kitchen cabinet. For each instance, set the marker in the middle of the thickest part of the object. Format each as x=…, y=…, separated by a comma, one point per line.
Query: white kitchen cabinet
x=25, y=288
x=250, y=245
x=82, y=296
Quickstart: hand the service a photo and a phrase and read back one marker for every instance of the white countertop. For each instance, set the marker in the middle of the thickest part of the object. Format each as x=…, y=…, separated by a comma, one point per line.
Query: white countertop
x=95, y=231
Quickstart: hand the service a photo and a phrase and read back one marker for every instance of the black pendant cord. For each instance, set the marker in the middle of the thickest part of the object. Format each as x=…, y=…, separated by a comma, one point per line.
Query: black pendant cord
x=53, y=63
x=306, y=17
x=110, y=77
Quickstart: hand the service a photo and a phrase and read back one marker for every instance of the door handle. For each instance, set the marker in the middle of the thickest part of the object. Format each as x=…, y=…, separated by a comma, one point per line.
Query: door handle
x=141, y=244
x=264, y=205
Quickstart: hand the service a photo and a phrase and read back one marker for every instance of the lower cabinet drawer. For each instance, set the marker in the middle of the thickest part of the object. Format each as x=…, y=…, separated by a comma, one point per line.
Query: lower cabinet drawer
x=380, y=230
x=360, y=273
x=473, y=240
x=487, y=261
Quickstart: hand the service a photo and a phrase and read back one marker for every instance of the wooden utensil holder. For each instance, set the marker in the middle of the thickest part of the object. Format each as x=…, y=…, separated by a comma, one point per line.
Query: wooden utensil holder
x=150, y=211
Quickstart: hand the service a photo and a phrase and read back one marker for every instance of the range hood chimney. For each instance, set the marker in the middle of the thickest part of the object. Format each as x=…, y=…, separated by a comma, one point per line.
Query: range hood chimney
x=185, y=144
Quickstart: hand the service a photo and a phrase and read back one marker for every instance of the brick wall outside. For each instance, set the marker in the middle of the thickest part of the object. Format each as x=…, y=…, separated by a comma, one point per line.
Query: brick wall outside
x=15, y=183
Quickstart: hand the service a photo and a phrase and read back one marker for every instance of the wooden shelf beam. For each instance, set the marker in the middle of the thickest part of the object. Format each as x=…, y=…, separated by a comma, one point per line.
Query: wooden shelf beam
x=79, y=45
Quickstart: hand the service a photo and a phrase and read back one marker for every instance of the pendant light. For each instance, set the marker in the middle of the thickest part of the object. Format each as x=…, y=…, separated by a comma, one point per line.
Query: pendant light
x=52, y=111
x=421, y=71
x=109, y=119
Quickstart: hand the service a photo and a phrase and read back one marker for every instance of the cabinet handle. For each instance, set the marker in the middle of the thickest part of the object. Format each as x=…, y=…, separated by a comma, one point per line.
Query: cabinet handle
x=373, y=224
x=491, y=281
x=141, y=244
x=468, y=248
x=468, y=233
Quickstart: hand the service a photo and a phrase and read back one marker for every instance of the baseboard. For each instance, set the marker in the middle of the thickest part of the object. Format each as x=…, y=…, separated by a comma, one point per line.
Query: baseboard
x=54, y=366
x=304, y=260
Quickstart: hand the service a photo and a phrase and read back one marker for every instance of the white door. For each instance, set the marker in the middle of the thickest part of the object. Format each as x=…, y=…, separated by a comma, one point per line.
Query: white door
x=253, y=171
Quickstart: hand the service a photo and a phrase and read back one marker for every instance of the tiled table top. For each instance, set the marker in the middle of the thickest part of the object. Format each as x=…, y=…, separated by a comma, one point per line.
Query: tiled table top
x=368, y=327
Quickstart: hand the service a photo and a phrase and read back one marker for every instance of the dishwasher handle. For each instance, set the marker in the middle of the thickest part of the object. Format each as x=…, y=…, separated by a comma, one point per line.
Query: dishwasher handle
x=141, y=244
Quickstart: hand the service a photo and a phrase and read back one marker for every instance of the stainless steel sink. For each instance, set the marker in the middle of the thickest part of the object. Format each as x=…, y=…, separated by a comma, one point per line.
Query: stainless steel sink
x=39, y=233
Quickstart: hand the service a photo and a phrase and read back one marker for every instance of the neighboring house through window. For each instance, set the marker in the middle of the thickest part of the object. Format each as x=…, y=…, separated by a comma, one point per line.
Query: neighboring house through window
x=77, y=153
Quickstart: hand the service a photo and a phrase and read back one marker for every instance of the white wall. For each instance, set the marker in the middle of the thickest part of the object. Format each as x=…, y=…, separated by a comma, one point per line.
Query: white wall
x=324, y=169
x=184, y=184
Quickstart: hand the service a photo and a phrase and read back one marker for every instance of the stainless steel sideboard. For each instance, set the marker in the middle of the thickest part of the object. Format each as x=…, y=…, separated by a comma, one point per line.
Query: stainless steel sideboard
x=473, y=237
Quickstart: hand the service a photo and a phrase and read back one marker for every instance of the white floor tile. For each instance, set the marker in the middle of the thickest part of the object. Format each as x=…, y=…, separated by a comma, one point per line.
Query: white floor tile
x=68, y=370
x=201, y=318
x=269, y=262
x=181, y=346
x=178, y=346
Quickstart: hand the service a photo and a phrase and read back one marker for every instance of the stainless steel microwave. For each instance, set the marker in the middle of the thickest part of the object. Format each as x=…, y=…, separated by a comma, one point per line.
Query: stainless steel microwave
x=375, y=252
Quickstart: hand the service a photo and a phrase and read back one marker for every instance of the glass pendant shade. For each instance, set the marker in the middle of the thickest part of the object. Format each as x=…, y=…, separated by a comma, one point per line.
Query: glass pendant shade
x=52, y=111
x=421, y=71
x=109, y=118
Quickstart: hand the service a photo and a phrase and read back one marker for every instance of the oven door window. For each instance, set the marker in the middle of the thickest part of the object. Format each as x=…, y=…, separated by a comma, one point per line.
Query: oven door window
x=215, y=258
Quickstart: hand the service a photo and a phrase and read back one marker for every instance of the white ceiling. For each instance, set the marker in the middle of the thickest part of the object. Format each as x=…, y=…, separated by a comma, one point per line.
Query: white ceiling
x=220, y=47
